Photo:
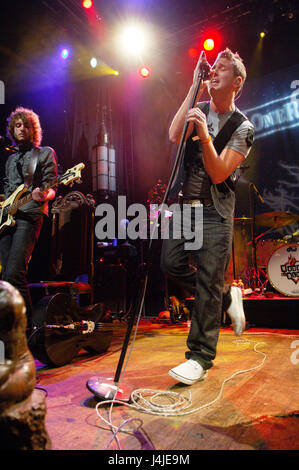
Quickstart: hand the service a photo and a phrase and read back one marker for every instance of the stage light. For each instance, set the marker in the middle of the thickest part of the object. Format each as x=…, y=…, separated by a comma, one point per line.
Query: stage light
x=93, y=62
x=144, y=72
x=133, y=39
x=116, y=72
x=87, y=4
x=262, y=34
x=209, y=44
x=65, y=53
x=192, y=52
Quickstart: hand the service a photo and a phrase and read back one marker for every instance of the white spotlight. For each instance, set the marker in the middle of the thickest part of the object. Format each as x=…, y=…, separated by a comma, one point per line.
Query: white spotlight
x=134, y=39
x=93, y=62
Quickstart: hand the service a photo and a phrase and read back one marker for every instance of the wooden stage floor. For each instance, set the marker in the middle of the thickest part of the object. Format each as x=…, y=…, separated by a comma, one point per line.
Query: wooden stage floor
x=257, y=410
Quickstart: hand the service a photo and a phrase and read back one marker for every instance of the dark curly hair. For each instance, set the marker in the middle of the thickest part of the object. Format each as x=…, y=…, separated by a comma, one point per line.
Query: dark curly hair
x=28, y=117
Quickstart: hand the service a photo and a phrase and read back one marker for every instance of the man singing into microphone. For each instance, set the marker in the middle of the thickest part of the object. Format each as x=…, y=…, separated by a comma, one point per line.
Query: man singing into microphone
x=218, y=139
x=34, y=166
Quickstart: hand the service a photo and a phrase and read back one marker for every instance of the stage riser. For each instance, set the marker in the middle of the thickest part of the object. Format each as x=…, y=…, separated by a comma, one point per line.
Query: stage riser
x=272, y=313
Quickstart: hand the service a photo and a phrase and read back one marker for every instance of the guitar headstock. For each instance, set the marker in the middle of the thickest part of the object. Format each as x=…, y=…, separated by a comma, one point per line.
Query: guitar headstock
x=72, y=175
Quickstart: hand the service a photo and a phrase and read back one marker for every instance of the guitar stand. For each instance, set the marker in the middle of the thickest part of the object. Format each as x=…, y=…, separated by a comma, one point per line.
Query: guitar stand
x=107, y=387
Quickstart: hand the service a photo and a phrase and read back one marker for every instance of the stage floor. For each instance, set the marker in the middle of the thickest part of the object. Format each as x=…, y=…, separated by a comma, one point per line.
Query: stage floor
x=256, y=410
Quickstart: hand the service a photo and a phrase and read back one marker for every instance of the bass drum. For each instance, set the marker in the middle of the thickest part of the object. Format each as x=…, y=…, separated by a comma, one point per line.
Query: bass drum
x=264, y=249
x=283, y=269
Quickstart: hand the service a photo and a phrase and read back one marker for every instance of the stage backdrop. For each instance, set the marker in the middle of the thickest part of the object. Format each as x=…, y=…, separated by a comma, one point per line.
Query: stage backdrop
x=272, y=104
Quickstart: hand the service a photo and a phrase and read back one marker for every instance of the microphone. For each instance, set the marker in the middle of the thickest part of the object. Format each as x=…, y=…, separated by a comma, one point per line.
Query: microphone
x=257, y=193
x=204, y=67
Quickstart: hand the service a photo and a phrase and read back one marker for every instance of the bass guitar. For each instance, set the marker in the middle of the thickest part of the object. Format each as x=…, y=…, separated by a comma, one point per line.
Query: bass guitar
x=9, y=207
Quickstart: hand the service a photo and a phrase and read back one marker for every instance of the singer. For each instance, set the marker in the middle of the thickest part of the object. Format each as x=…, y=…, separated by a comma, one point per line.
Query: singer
x=34, y=166
x=218, y=139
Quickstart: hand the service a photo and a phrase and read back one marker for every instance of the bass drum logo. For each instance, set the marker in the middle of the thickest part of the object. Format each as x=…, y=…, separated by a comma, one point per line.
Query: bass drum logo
x=283, y=269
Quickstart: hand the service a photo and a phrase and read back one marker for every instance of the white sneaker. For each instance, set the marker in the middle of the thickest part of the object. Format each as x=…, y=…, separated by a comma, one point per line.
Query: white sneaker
x=188, y=372
x=236, y=311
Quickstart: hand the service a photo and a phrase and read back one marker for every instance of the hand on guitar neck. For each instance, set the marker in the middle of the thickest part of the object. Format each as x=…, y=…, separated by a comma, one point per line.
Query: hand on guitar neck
x=40, y=196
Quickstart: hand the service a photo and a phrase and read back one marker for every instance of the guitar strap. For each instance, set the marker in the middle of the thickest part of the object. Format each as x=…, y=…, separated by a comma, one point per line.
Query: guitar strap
x=31, y=167
x=219, y=143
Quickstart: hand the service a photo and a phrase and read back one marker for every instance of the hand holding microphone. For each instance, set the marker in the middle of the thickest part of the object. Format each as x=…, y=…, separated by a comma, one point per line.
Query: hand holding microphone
x=202, y=68
x=202, y=71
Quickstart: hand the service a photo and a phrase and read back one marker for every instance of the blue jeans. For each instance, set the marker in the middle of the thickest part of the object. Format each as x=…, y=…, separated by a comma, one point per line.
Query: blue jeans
x=207, y=282
x=16, y=247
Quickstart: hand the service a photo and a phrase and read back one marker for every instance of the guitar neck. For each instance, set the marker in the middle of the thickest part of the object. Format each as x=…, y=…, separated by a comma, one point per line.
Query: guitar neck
x=15, y=201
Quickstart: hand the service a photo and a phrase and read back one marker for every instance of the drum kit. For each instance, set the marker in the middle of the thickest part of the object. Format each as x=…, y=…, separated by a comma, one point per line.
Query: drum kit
x=257, y=260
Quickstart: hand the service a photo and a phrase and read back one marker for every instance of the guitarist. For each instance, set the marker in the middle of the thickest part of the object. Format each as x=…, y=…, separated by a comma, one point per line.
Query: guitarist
x=35, y=166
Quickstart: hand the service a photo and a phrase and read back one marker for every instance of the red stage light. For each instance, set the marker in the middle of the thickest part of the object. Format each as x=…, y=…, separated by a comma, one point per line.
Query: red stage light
x=193, y=53
x=144, y=72
x=87, y=3
x=209, y=44
x=211, y=40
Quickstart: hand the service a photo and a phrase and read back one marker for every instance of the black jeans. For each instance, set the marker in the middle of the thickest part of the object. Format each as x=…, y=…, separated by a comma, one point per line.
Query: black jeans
x=207, y=282
x=16, y=247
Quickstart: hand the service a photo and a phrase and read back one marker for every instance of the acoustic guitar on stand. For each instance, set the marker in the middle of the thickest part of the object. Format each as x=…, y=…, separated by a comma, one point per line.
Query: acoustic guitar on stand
x=9, y=207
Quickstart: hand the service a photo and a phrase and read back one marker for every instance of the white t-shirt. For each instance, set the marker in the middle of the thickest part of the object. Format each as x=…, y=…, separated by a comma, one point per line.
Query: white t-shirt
x=240, y=140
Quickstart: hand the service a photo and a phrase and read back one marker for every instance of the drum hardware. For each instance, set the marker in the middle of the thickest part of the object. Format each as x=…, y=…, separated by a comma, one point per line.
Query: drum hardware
x=241, y=253
x=243, y=220
x=264, y=250
x=263, y=234
x=273, y=220
x=256, y=281
x=293, y=235
x=250, y=253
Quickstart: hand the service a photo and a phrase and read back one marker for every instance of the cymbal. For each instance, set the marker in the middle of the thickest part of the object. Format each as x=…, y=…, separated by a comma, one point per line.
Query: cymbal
x=276, y=219
x=243, y=220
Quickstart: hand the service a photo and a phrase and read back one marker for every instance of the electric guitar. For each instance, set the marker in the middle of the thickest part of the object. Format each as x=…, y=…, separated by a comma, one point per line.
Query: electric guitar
x=9, y=207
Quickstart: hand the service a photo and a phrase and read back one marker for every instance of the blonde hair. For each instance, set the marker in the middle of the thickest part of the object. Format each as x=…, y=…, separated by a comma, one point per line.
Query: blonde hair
x=28, y=116
x=239, y=67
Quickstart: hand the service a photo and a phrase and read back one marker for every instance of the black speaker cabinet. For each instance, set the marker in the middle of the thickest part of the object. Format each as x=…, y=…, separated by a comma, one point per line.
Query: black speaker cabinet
x=110, y=286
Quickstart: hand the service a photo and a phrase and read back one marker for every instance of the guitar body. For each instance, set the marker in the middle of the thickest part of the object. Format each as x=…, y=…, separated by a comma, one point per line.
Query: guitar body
x=6, y=218
x=9, y=207
x=55, y=345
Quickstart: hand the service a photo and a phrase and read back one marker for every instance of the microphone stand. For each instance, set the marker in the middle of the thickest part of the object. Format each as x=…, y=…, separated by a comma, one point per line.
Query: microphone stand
x=108, y=388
